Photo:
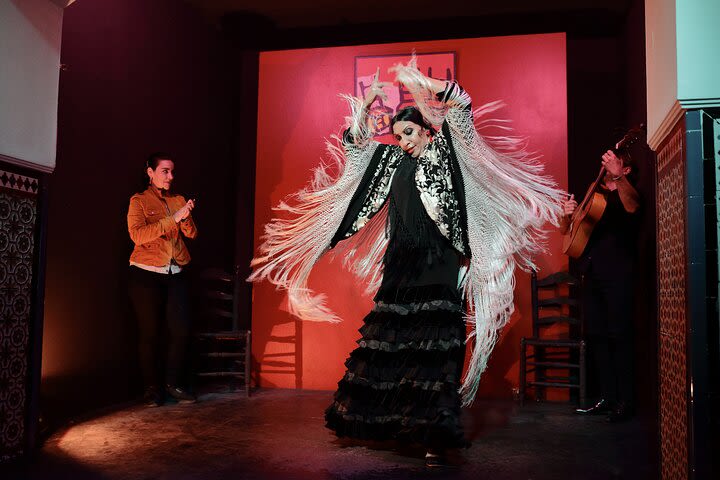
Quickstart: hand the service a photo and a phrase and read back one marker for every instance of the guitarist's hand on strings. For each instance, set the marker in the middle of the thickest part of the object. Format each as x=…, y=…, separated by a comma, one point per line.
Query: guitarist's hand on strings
x=569, y=206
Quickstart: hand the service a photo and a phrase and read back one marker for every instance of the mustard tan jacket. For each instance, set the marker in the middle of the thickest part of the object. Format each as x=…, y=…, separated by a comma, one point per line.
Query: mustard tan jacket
x=154, y=231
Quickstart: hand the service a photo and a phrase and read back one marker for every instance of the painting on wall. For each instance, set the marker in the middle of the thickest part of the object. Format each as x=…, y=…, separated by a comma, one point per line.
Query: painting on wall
x=435, y=65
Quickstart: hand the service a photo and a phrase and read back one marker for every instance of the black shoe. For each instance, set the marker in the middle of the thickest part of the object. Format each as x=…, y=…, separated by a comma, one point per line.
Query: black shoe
x=152, y=397
x=180, y=395
x=621, y=413
x=599, y=408
x=434, y=460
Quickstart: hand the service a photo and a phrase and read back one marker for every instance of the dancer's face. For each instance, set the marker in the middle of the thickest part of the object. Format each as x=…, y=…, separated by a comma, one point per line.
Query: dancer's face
x=411, y=137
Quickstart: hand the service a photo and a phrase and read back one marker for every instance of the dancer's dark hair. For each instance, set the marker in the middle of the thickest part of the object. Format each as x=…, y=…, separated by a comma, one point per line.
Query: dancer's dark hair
x=411, y=114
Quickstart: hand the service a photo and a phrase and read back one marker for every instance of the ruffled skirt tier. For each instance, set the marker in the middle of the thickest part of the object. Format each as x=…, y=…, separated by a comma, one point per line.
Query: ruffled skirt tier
x=402, y=381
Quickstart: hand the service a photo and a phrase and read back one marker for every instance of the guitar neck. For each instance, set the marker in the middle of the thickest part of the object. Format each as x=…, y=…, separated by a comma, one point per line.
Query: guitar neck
x=590, y=192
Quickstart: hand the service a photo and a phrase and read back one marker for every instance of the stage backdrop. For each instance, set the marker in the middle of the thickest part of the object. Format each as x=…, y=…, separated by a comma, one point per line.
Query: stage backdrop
x=298, y=107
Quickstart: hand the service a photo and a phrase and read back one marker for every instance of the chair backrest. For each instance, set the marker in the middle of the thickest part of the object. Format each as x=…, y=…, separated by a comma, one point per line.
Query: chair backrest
x=219, y=295
x=554, y=300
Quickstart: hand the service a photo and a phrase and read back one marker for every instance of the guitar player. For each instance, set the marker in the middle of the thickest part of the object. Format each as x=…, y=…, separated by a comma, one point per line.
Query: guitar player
x=606, y=266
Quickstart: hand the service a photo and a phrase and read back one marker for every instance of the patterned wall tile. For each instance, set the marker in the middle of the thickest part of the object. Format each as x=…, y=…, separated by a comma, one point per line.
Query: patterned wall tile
x=18, y=210
x=14, y=181
x=672, y=301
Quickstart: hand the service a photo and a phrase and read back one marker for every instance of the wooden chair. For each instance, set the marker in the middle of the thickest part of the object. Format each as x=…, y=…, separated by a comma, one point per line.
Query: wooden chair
x=224, y=348
x=554, y=302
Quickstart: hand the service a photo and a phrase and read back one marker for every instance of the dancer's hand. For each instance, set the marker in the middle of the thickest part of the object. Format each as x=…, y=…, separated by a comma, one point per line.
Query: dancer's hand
x=409, y=76
x=375, y=90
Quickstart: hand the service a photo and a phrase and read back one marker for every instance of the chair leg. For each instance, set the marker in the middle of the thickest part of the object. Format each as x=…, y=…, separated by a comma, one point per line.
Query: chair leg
x=523, y=366
x=248, y=356
x=540, y=373
x=582, y=375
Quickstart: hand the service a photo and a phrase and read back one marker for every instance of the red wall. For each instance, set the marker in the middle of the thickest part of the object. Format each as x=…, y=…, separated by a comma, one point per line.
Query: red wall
x=298, y=108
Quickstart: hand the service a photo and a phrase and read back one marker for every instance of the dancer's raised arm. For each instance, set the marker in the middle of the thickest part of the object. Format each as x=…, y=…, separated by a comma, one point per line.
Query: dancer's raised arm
x=358, y=130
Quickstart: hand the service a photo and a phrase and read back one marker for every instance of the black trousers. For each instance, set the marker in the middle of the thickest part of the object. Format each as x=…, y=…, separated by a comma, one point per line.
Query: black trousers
x=608, y=306
x=162, y=309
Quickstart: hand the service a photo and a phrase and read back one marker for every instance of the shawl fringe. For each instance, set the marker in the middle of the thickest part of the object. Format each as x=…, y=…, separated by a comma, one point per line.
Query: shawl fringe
x=508, y=202
x=292, y=244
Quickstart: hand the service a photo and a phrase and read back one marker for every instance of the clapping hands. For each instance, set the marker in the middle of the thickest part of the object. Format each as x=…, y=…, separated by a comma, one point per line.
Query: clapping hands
x=184, y=212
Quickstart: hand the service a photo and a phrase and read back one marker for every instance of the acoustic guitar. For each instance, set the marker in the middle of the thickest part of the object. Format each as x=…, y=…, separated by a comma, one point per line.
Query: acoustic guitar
x=591, y=209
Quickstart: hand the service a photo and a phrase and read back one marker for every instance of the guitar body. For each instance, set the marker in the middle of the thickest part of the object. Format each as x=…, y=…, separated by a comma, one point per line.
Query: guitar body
x=583, y=223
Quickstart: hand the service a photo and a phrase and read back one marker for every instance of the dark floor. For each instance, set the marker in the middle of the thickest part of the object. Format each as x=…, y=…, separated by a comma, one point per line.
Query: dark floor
x=280, y=434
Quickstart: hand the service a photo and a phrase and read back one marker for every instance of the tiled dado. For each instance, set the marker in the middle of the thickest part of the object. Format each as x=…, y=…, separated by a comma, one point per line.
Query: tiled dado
x=672, y=301
x=18, y=213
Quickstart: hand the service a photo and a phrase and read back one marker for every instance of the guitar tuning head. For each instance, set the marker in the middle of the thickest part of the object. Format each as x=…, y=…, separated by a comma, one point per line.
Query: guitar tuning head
x=631, y=136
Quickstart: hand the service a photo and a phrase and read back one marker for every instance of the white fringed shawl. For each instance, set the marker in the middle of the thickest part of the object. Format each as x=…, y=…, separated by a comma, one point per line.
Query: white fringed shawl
x=291, y=246
x=508, y=201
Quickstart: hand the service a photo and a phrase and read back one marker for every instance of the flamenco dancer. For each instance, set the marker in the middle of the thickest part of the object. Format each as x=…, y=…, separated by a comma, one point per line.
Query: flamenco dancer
x=436, y=225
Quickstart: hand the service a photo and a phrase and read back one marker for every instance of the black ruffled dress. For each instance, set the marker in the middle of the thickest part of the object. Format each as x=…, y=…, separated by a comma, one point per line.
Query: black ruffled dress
x=402, y=381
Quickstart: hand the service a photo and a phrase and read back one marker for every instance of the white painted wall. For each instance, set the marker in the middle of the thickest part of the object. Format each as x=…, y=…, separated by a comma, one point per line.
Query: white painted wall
x=682, y=39
x=30, y=32
x=698, y=52
x=661, y=61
